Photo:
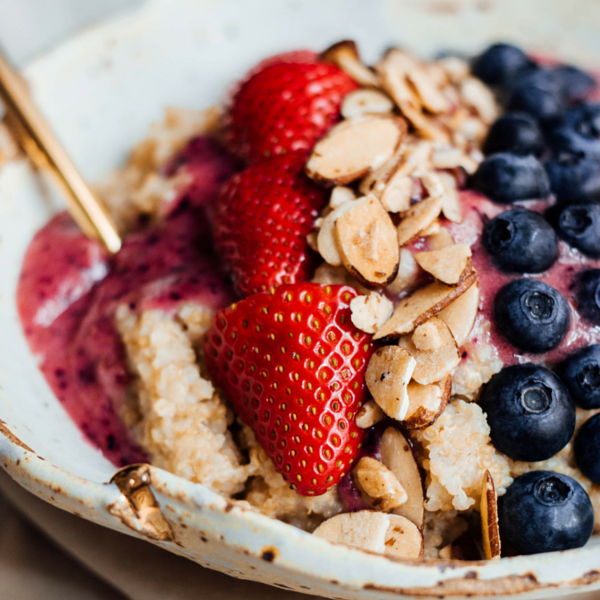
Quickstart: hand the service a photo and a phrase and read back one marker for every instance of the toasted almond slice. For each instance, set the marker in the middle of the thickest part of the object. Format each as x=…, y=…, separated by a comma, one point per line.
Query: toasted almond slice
x=368, y=244
x=370, y=312
x=419, y=307
x=355, y=147
x=489, y=518
x=393, y=71
x=431, y=96
x=437, y=355
x=460, y=315
x=339, y=195
x=382, y=489
x=403, y=539
x=457, y=69
x=440, y=240
x=417, y=218
x=365, y=529
x=388, y=373
x=426, y=403
x=451, y=205
x=328, y=275
x=446, y=265
x=376, y=181
x=433, y=229
x=369, y=414
x=311, y=240
x=397, y=455
x=326, y=240
x=480, y=97
x=397, y=194
x=408, y=273
x=345, y=55
x=364, y=102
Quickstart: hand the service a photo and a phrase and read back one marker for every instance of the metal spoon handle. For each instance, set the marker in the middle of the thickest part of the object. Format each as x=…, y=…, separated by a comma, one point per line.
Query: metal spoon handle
x=37, y=140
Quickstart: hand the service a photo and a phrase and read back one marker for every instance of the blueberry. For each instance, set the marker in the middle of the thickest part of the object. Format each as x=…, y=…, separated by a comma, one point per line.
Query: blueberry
x=584, y=119
x=587, y=295
x=521, y=241
x=499, y=63
x=531, y=315
x=543, y=78
x=529, y=411
x=574, y=177
x=580, y=372
x=544, y=511
x=506, y=178
x=565, y=139
x=518, y=133
x=576, y=84
x=542, y=104
x=578, y=225
x=587, y=449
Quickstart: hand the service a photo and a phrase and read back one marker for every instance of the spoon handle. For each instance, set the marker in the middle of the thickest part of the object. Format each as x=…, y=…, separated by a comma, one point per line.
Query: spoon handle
x=37, y=140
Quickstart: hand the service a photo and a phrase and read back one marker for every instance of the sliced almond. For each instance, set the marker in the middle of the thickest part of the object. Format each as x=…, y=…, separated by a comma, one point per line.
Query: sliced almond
x=430, y=94
x=433, y=229
x=417, y=218
x=368, y=244
x=339, y=195
x=419, y=307
x=364, y=102
x=460, y=315
x=377, y=179
x=434, y=348
x=451, y=205
x=355, y=147
x=397, y=194
x=369, y=414
x=388, y=374
x=397, y=455
x=456, y=69
x=489, y=518
x=326, y=240
x=369, y=312
x=446, y=265
x=442, y=239
x=311, y=240
x=479, y=96
x=382, y=489
x=374, y=531
x=403, y=539
x=426, y=403
x=408, y=273
x=345, y=55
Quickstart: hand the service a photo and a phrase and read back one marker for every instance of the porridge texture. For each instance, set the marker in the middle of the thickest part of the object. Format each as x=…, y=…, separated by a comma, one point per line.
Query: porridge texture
x=304, y=315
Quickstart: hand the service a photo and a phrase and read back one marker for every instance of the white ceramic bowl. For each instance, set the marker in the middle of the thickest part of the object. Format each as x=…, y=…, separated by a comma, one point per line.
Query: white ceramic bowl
x=100, y=91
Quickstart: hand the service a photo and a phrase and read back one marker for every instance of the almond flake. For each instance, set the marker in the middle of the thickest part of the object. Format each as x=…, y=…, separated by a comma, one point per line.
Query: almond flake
x=375, y=181
x=329, y=275
x=364, y=102
x=345, y=55
x=397, y=455
x=489, y=518
x=326, y=241
x=431, y=96
x=455, y=68
x=479, y=96
x=440, y=240
x=355, y=147
x=368, y=243
x=451, y=206
x=426, y=403
x=339, y=195
x=460, y=315
x=311, y=240
x=369, y=414
x=383, y=490
x=420, y=306
x=433, y=229
x=397, y=194
x=403, y=539
x=417, y=218
x=437, y=362
x=370, y=312
x=446, y=265
x=388, y=374
x=408, y=272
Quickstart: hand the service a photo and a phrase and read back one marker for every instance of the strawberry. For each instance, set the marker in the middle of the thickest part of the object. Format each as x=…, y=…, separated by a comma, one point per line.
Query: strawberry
x=293, y=366
x=261, y=220
x=286, y=103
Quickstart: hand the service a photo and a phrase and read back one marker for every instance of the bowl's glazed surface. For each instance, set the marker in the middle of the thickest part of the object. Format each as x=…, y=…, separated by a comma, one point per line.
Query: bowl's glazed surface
x=100, y=91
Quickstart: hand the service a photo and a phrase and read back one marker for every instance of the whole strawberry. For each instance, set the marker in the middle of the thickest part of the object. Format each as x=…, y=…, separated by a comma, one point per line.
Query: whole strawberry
x=284, y=104
x=260, y=223
x=293, y=366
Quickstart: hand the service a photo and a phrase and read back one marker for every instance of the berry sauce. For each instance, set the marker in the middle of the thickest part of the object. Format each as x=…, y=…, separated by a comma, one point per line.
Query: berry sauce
x=69, y=291
x=476, y=209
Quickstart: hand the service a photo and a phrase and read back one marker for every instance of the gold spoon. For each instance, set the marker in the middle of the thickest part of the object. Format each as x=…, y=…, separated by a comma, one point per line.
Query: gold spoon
x=36, y=138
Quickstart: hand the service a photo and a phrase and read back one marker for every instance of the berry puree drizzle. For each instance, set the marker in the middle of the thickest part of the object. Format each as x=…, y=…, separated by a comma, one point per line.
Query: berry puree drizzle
x=69, y=291
x=477, y=209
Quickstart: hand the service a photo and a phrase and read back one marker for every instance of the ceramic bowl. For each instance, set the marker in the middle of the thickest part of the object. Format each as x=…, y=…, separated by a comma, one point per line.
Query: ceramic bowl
x=101, y=90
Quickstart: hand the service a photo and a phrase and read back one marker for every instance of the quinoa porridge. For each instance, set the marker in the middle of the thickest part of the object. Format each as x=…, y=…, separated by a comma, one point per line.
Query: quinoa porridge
x=362, y=300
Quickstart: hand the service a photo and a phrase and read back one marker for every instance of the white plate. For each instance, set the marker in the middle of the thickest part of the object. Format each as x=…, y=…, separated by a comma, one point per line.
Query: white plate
x=100, y=91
